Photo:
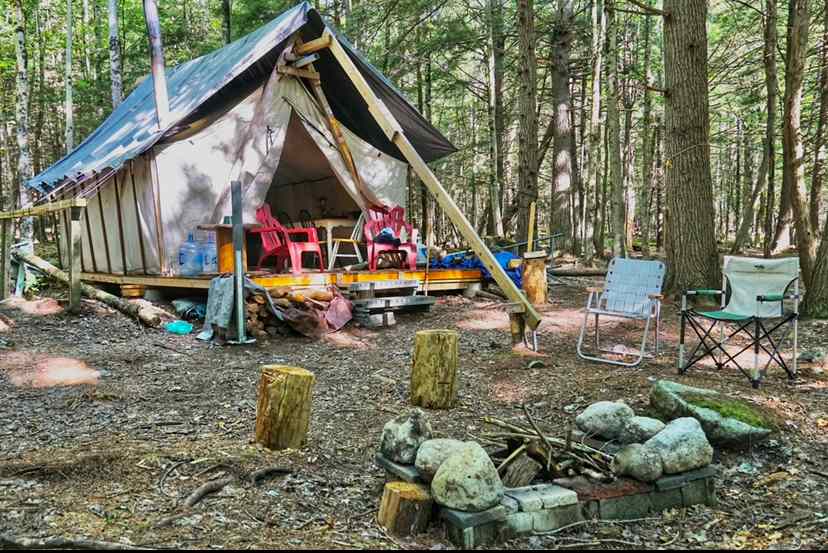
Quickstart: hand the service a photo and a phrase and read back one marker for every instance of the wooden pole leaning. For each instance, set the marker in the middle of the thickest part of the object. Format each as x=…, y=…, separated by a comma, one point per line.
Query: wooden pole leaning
x=396, y=135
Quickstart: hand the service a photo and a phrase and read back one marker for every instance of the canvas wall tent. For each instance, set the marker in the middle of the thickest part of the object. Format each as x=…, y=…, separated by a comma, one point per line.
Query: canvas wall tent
x=233, y=117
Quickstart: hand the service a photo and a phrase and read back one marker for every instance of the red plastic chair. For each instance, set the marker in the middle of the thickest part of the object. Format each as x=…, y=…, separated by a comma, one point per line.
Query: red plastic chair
x=395, y=220
x=278, y=242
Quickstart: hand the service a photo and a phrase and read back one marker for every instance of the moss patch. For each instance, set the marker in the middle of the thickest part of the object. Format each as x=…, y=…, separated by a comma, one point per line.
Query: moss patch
x=734, y=409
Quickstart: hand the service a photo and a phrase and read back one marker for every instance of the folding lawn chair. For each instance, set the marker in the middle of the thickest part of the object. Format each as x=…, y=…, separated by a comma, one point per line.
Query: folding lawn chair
x=632, y=291
x=754, y=294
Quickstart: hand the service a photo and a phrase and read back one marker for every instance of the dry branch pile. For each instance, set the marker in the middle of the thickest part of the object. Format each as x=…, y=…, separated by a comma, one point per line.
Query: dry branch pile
x=527, y=453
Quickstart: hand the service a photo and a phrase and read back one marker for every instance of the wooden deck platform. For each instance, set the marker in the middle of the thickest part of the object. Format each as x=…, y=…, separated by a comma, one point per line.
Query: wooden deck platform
x=438, y=279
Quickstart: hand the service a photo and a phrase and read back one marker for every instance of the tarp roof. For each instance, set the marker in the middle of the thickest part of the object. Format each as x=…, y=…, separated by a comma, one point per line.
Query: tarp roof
x=132, y=127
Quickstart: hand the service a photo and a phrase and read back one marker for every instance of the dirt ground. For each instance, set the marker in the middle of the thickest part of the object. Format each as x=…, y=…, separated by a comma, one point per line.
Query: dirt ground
x=105, y=442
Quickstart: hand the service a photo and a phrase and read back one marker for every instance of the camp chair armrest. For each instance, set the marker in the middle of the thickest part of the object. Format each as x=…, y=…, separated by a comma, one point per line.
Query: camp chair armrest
x=777, y=297
x=703, y=292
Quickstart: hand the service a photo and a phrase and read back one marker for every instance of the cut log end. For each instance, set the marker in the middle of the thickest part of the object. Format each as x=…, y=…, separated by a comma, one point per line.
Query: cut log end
x=405, y=508
x=434, y=370
x=284, y=405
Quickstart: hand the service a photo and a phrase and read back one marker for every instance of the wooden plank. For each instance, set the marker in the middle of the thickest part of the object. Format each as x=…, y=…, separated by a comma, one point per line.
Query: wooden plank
x=120, y=223
x=42, y=209
x=103, y=231
x=395, y=133
x=312, y=46
x=137, y=219
x=295, y=72
x=75, y=260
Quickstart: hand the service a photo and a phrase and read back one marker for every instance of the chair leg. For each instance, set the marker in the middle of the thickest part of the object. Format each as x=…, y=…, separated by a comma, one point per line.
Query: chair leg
x=295, y=262
x=754, y=374
x=682, y=369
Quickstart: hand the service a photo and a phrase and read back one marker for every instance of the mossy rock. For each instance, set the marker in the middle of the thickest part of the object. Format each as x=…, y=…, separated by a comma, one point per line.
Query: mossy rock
x=727, y=421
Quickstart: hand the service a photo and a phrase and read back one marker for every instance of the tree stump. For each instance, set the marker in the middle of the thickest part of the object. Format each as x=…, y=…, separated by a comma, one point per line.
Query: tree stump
x=534, y=277
x=405, y=509
x=434, y=370
x=283, y=411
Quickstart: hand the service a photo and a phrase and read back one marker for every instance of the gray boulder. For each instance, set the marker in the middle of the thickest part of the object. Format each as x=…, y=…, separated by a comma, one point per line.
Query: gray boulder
x=727, y=421
x=467, y=481
x=639, y=462
x=433, y=453
x=682, y=446
x=402, y=437
x=605, y=419
x=639, y=429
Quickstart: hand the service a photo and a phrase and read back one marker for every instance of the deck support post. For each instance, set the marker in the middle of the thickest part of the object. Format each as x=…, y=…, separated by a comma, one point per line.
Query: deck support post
x=75, y=259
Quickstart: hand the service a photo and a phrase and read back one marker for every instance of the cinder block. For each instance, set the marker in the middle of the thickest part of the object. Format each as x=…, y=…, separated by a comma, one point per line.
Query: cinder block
x=626, y=507
x=407, y=473
x=590, y=510
x=520, y=523
x=462, y=519
x=699, y=492
x=667, y=499
x=557, y=517
x=678, y=480
x=529, y=500
x=510, y=504
x=556, y=496
x=474, y=536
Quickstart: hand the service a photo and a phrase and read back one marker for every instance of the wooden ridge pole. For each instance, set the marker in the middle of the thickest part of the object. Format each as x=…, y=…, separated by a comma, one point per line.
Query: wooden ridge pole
x=392, y=129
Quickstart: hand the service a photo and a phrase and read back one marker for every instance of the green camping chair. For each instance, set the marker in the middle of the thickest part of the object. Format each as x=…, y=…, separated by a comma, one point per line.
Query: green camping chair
x=760, y=301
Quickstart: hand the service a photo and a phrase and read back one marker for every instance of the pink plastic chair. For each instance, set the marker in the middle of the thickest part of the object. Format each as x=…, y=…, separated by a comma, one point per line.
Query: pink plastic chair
x=395, y=220
x=277, y=242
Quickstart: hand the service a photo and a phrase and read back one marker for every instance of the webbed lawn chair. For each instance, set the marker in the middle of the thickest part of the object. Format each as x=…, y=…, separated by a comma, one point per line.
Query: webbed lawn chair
x=632, y=291
x=760, y=301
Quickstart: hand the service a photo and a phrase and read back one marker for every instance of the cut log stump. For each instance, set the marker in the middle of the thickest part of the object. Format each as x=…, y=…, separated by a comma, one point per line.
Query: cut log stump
x=283, y=411
x=434, y=370
x=405, y=509
x=534, y=277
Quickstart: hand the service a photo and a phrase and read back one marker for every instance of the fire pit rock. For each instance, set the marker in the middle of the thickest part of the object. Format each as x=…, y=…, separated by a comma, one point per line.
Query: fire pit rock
x=467, y=481
x=682, y=445
x=606, y=419
x=403, y=436
x=727, y=421
x=639, y=462
x=640, y=429
x=433, y=453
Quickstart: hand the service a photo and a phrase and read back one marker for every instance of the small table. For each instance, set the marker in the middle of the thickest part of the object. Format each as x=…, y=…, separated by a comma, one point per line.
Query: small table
x=224, y=245
x=329, y=224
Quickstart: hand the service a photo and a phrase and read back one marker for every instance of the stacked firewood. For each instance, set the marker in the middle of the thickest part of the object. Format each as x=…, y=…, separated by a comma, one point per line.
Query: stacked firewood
x=302, y=310
x=526, y=454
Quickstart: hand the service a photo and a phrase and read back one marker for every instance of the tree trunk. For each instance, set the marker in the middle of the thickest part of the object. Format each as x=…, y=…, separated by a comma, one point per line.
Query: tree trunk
x=772, y=86
x=527, y=191
x=70, y=105
x=819, y=139
x=692, y=256
x=793, y=149
x=159, y=77
x=752, y=194
x=614, y=135
x=115, y=56
x=225, y=11
x=563, y=136
x=646, y=144
x=496, y=118
x=24, y=163
x=592, y=154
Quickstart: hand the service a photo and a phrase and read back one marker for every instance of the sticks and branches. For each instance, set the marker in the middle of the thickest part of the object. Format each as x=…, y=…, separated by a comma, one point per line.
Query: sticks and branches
x=560, y=457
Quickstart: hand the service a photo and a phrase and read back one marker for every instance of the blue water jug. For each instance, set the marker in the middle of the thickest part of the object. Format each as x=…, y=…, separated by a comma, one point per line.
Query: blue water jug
x=189, y=258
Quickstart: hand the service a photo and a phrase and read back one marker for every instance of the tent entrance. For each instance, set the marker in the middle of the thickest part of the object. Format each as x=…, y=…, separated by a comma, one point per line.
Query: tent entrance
x=304, y=186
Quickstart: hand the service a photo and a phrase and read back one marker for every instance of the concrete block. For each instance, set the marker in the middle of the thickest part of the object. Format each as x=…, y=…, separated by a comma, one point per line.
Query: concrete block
x=510, y=504
x=699, y=492
x=557, y=517
x=529, y=500
x=626, y=507
x=667, y=499
x=556, y=496
x=462, y=519
x=520, y=523
x=406, y=473
x=590, y=510
x=679, y=480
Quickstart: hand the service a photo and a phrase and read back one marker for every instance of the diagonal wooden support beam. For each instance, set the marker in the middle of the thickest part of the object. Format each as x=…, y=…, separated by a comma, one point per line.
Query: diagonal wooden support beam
x=313, y=46
x=385, y=119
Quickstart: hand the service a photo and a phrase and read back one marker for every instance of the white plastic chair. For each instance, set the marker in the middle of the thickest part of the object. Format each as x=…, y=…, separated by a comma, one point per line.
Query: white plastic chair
x=632, y=291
